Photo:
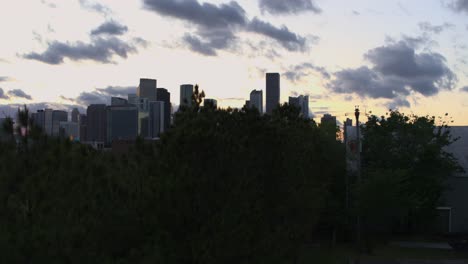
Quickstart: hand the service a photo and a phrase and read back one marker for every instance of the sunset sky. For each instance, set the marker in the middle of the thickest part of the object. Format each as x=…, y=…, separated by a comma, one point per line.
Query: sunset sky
x=378, y=54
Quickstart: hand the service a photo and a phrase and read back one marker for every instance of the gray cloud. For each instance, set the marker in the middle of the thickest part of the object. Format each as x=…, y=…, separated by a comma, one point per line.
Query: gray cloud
x=95, y=7
x=397, y=103
x=459, y=6
x=100, y=50
x=4, y=79
x=49, y=4
x=217, y=25
x=464, y=89
x=19, y=94
x=3, y=95
x=110, y=28
x=397, y=71
x=101, y=95
x=286, y=38
x=436, y=29
x=298, y=72
x=279, y=7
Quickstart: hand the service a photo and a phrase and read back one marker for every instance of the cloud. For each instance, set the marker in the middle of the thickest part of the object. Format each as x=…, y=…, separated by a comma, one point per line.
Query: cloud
x=95, y=7
x=19, y=94
x=216, y=25
x=298, y=72
x=459, y=6
x=101, y=95
x=99, y=50
x=436, y=29
x=398, y=103
x=397, y=71
x=12, y=109
x=286, y=38
x=464, y=89
x=110, y=28
x=49, y=4
x=3, y=95
x=280, y=7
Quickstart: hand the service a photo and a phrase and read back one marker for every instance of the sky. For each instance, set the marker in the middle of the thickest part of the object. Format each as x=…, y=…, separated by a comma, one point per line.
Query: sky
x=378, y=54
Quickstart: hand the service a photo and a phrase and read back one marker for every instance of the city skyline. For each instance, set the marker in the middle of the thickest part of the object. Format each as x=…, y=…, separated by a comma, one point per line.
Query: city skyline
x=375, y=54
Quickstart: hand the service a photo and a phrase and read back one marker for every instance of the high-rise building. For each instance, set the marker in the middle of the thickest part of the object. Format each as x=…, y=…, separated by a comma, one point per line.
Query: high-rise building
x=210, y=103
x=48, y=121
x=301, y=102
x=156, y=119
x=147, y=89
x=256, y=100
x=186, y=92
x=118, y=101
x=247, y=104
x=75, y=115
x=57, y=117
x=328, y=119
x=132, y=99
x=70, y=130
x=272, y=92
x=83, y=128
x=39, y=119
x=164, y=96
x=122, y=122
x=96, y=123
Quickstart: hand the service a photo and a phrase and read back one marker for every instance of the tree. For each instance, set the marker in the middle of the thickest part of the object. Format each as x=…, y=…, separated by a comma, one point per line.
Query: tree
x=404, y=168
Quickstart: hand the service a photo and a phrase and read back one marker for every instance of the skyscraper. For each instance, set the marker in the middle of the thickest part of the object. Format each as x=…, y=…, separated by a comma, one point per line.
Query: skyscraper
x=156, y=119
x=96, y=123
x=164, y=96
x=118, y=101
x=70, y=130
x=132, y=99
x=210, y=103
x=301, y=102
x=328, y=119
x=57, y=117
x=75, y=115
x=39, y=119
x=83, y=128
x=272, y=92
x=122, y=122
x=147, y=89
x=48, y=121
x=256, y=100
x=186, y=92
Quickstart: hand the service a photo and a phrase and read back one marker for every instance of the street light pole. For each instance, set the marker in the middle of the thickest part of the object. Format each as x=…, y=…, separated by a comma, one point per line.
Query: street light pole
x=358, y=179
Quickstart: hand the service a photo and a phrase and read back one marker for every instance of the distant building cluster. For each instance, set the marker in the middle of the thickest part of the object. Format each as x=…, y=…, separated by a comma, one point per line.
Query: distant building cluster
x=147, y=113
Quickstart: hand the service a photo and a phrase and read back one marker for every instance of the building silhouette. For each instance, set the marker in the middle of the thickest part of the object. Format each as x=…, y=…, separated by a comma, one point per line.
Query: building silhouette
x=75, y=115
x=328, y=119
x=210, y=103
x=70, y=130
x=118, y=101
x=57, y=117
x=132, y=99
x=164, y=96
x=147, y=89
x=48, y=121
x=96, y=123
x=83, y=128
x=256, y=100
x=272, y=92
x=301, y=102
x=156, y=122
x=122, y=122
x=39, y=119
x=186, y=92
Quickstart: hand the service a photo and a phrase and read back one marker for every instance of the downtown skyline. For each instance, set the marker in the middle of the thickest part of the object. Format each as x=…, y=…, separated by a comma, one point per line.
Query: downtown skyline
x=376, y=54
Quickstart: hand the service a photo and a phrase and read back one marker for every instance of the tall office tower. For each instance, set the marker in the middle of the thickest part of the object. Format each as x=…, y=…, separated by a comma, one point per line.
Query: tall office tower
x=83, y=128
x=302, y=102
x=272, y=92
x=39, y=119
x=118, y=101
x=210, y=102
x=132, y=99
x=328, y=119
x=186, y=92
x=147, y=89
x=122, y=122
x=256, y=100
x=348, y=122
x=57, y=117
x=247, y=104
x=156, y=120
x=70, y=130
x=75, y=115
x=96, y=123
x=164, y=96
x=48, y=121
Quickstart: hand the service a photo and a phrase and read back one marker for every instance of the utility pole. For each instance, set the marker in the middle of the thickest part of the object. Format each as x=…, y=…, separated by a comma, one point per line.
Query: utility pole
x=358, y=179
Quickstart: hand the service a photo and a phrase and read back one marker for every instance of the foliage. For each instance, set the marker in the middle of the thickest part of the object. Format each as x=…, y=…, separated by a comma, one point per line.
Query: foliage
x=222, y=186
x=404, y=168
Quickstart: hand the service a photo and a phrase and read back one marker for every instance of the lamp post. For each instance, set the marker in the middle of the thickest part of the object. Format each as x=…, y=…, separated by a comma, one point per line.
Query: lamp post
x=358, y=178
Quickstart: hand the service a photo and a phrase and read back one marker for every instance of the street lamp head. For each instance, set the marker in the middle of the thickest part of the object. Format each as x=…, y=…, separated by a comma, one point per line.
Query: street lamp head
x=356, y=112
